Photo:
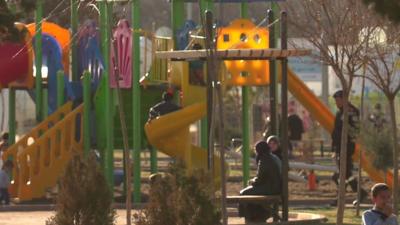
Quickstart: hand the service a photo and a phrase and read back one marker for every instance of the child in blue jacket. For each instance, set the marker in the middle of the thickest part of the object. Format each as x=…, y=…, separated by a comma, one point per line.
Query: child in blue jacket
x=382, y=212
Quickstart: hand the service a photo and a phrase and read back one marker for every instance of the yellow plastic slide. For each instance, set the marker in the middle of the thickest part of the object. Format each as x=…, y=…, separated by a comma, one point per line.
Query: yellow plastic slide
x=170, y=134
x=324, y=116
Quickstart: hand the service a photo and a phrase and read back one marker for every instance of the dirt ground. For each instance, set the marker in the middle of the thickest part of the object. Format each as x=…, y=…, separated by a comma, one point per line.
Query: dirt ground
x=40, y=217
x=326, y=191
x=326, y=188
x=298, y=191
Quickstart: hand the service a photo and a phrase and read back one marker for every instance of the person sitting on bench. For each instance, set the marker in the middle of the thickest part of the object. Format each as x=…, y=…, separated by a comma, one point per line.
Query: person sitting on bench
x=267, y=182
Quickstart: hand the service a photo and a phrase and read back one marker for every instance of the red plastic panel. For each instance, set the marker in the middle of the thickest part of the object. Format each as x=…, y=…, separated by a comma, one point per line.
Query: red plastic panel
x=14, y=62
x=121, y=56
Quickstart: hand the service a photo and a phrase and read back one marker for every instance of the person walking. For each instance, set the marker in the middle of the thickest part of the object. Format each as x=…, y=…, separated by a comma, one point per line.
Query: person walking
x=354, y=127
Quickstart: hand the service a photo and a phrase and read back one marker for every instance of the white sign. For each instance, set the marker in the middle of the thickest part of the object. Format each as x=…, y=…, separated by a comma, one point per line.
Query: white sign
x=307, y=68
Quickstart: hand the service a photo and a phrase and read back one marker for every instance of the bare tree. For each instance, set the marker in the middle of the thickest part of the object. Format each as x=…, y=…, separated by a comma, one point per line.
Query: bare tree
x=383, y=69
x=333, y=27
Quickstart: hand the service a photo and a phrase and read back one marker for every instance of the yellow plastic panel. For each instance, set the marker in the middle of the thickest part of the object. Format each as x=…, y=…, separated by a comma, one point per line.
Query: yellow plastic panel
x=170, y=135
x=49, y=156
x=243, y=34
x=193, y=80
x=159, y=67
x=41, y=155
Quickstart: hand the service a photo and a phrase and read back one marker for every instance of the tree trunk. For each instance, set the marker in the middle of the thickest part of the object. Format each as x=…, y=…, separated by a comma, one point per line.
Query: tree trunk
x=343, y=165
x=395, y=155
x=362, y=115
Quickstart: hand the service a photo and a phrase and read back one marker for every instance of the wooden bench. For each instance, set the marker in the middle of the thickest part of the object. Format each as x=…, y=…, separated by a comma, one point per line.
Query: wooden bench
x=270, y=202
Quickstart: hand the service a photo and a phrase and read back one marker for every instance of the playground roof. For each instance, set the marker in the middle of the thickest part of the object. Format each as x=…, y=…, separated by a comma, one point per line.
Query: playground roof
x=233, y=54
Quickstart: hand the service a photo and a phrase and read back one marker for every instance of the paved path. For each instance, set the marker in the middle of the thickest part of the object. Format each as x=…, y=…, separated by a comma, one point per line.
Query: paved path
x=40, y=217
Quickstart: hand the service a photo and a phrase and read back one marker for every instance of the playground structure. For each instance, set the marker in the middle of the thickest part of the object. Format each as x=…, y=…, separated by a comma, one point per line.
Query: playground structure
x=42, y=154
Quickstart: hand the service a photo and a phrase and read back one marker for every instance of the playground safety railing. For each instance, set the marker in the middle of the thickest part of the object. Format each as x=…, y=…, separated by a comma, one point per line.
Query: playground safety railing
x=31, y=137
x=159, y=68
x=39, y=164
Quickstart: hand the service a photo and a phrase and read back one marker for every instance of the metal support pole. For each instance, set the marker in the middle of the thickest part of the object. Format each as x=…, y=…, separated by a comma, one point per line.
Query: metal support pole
x=45, y=101
x=245, y=118
x=204, y=122
x=273, y=87
x=153, y=160
x=86, y=112
x=137, y=129
x=60, y=88
x=285, y=139
x=210, y=5
x=108, y=162
x=11, y=116
x=210, y=80
x=38, y=59
x=203, y=6
x=206, y=5
x=204, y=133
x=178, y=16
x=74, y=29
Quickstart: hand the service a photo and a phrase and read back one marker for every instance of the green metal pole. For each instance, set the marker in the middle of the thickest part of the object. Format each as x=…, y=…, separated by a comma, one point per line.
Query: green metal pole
x=74, y=29
x=86, y=112
x=108, y=152
x=60, y=88
x=38, y=59
x=245, y=118
x=210, y=5
x=244, y=10
x=137, y=130
x=11, y=116
x=206, y=5
x=178, y=16
x=153, y=160
x=45, y=110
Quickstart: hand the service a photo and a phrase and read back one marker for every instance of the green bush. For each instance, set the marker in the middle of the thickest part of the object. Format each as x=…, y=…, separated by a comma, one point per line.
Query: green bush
x=84, y=197
x=378, y=144
x=180, y=199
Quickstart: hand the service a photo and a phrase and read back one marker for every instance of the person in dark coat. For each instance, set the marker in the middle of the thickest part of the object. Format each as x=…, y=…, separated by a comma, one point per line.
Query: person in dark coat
x=354, y=128
x=295, y=129
x=267, y=182
x=163, y=107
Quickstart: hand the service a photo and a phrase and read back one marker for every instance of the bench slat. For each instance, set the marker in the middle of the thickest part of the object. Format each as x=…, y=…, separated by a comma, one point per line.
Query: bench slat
x=254, y=198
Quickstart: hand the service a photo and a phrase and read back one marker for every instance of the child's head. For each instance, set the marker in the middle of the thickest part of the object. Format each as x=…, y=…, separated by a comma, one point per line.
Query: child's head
x=262, y=148
x=273, y=142
x=381, y=195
